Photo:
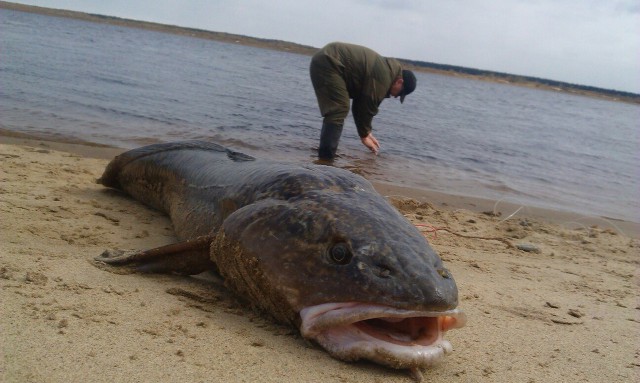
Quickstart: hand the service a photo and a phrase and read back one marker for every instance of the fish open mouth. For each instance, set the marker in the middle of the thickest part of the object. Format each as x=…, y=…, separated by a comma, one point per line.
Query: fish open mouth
x=392, y=337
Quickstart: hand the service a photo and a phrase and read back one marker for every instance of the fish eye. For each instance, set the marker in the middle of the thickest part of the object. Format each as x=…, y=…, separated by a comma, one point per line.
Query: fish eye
x=340, y=253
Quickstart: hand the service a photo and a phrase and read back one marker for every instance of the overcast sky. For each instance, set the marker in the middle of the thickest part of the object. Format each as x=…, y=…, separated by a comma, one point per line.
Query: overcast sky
x=587, y=42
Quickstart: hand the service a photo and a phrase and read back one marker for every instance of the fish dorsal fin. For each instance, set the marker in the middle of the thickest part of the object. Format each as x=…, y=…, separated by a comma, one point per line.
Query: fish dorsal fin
x=237, y=156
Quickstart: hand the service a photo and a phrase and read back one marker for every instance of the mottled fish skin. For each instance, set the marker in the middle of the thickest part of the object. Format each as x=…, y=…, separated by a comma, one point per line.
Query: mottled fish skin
x=287, y=236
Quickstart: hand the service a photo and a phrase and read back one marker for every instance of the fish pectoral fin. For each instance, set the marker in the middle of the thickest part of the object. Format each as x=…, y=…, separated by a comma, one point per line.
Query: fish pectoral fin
x=186, y=258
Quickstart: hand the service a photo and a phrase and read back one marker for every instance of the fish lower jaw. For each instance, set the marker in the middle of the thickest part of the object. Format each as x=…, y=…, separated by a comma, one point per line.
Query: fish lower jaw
x=350, y=344
x=392, y=337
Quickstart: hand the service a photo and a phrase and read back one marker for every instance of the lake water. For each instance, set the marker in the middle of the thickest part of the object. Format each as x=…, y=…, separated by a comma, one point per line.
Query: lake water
x=69, y=79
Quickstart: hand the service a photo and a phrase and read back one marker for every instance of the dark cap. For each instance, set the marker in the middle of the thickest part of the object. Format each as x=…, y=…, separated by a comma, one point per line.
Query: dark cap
x=408, y=83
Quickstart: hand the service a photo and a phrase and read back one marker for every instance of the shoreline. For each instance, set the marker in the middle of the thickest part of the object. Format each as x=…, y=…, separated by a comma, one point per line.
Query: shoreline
x=570, y=220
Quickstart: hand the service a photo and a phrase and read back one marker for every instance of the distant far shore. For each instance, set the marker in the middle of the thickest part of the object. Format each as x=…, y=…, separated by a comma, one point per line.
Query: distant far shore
x=291, y=47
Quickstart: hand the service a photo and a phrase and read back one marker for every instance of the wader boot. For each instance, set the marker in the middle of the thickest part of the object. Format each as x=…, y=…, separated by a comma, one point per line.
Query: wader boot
x=329, y=138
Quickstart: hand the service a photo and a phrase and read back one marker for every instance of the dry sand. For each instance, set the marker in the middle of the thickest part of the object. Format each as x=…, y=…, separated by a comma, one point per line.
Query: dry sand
x=568, y=313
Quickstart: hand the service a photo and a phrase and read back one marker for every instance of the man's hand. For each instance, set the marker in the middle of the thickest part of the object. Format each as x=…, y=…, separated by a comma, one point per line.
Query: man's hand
x=371, y=142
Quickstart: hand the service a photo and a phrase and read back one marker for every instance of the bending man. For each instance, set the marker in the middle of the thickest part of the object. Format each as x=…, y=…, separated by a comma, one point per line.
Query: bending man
x=340, y=72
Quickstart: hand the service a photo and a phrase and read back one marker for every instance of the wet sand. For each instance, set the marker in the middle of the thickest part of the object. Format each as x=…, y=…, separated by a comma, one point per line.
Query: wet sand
x=568, y=311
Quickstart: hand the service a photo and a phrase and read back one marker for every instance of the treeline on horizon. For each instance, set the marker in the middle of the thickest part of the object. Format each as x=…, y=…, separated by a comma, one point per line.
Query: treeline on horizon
x=512, y=78
x=305, y=49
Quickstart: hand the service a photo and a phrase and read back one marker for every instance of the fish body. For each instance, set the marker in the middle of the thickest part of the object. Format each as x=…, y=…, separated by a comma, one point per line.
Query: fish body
x=314, y=246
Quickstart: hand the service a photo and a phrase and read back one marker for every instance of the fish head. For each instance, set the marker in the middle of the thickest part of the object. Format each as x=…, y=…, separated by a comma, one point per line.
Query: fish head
x=347, y=268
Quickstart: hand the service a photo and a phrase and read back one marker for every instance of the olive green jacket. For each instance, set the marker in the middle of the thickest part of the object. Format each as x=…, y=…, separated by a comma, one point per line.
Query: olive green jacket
x=368, y=77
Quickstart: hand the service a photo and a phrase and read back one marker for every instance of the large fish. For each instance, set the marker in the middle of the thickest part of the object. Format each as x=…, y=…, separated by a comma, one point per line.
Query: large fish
x=314, y=246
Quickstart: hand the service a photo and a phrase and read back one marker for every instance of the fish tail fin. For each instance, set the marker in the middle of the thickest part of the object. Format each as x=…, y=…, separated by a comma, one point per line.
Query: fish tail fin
x=110, y=176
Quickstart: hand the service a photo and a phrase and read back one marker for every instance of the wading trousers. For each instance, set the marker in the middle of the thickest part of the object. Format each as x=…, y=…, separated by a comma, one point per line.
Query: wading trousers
x=333, y=100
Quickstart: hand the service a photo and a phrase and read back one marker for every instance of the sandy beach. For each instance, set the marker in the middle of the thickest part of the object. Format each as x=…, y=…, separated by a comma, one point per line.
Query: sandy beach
x=565, y=311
